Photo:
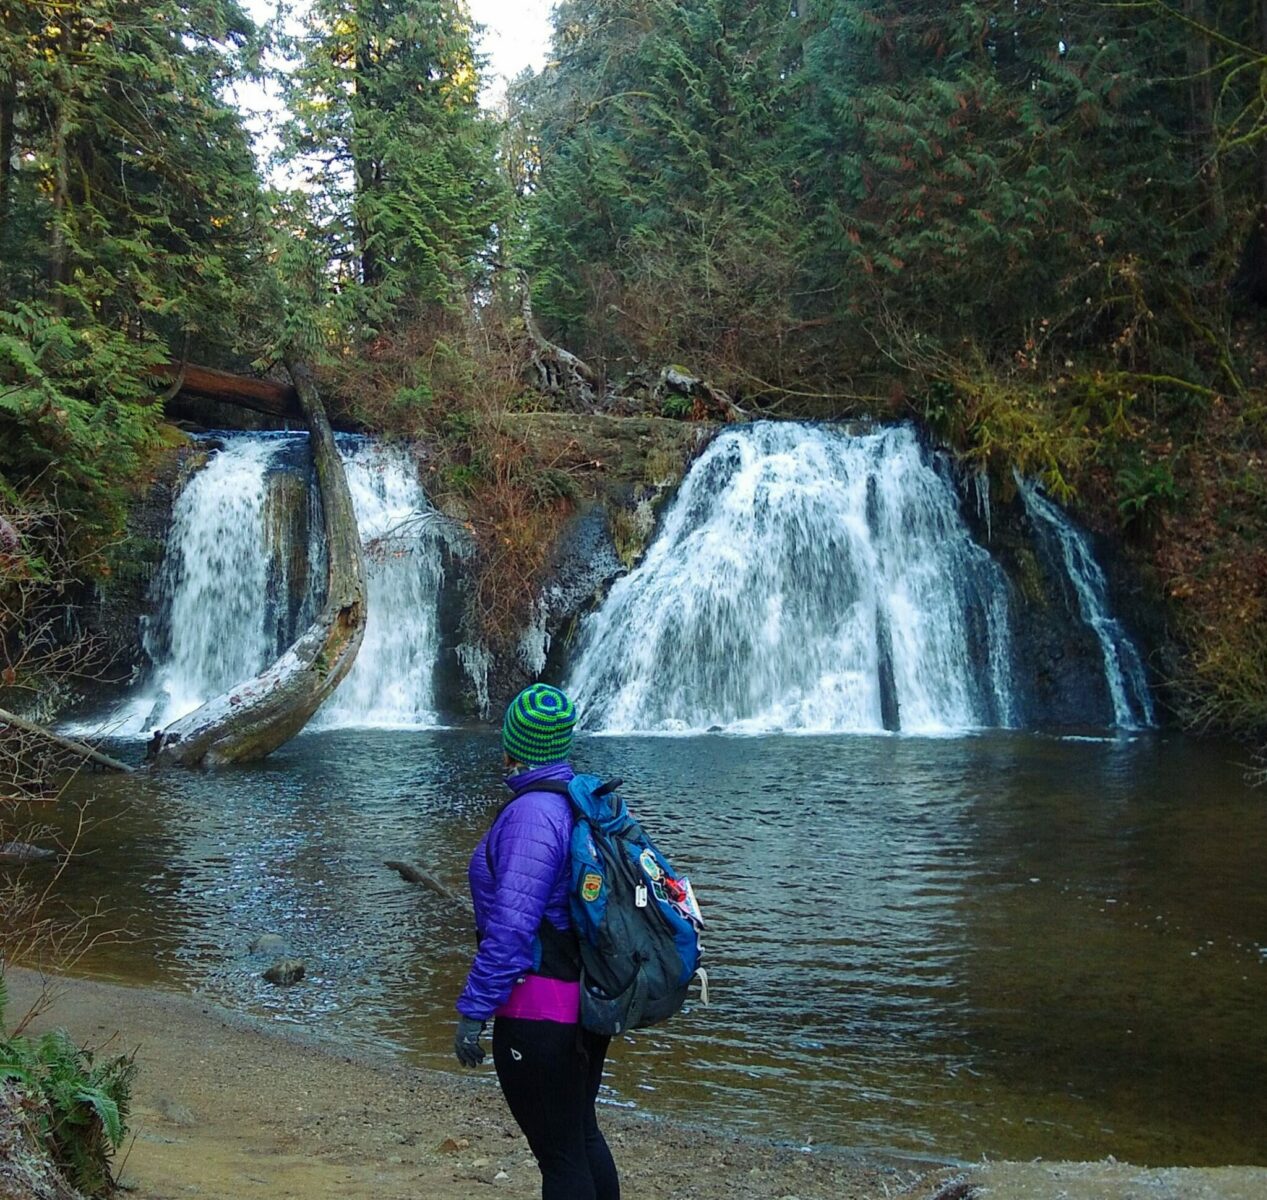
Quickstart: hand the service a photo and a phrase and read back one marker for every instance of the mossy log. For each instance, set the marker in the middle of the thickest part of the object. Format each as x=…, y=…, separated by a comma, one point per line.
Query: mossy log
x=260, y=395
x=253, y=719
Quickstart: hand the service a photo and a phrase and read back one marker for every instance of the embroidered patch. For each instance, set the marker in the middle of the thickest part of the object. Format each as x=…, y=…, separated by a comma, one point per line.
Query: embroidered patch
x=591, y=886
x=649, y=864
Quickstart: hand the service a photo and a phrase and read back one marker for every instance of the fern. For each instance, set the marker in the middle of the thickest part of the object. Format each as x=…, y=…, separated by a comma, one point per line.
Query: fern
x=83, y=1118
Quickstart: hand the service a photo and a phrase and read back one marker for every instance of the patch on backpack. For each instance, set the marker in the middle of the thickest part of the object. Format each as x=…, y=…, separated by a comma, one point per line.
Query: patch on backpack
x=649, y=864
x=591, y=886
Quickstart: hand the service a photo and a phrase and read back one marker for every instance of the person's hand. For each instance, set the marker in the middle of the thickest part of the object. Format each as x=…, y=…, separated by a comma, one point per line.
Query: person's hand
x=466, y=1045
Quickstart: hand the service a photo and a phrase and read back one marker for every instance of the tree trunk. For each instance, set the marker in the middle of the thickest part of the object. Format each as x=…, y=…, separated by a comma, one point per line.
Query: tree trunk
x=259, y=395
x=78, y=749
x=253, y=719
x=364, y=165
x=1253, y=272
x=59, y=265
x=8, y=106
x=1201, y=116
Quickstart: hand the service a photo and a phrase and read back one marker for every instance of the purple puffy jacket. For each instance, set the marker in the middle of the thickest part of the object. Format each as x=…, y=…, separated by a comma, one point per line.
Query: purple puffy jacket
x=529, y=845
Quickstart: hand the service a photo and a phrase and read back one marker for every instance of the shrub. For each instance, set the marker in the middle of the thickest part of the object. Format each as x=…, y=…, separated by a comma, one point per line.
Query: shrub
x=83, y=1103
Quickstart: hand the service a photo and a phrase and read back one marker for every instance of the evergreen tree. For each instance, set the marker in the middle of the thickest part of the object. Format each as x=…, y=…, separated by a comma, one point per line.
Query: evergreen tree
x=659, y=225
x=396, y=156
x=976, y=170
x=130, y=226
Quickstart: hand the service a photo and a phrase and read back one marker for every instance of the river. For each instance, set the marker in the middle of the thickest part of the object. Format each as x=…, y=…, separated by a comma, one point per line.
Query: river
x=1003, y=944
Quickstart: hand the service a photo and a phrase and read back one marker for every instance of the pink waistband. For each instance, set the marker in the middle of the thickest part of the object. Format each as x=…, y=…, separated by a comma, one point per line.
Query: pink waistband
x=536, y=998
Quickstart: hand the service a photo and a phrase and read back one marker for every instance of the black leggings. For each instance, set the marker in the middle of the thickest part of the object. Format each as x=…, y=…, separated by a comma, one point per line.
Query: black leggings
x=550, y=1081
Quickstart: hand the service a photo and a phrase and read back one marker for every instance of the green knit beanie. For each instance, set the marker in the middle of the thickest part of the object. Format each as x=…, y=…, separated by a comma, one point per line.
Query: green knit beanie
x=538, y=726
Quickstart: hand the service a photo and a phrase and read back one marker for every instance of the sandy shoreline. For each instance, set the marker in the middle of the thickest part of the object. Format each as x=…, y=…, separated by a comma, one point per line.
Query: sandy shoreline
x=228, y=1107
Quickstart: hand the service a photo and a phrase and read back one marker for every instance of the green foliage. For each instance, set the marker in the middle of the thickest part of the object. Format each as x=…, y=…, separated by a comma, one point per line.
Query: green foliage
x=396, y=159
x=778, y=192
x=83, y=1119
x=129, y=234
x=657, y=224
x=676, y=406
x=1144, y=487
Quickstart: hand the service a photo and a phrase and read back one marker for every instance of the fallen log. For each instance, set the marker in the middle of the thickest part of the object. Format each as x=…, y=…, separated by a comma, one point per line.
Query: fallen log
x=251, y=720
x=68, y=744
x=22, y=854
x=712, y=401
x=259, y=395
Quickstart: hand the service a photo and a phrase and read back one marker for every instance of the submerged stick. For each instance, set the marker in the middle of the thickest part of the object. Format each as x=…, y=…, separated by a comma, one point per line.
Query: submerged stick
x=68, y=744
x=412, y=874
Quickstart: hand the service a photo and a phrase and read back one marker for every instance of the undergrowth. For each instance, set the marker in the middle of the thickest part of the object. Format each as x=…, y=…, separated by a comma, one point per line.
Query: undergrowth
x=83, y=1103
x=449, y=384
x=1173, y=471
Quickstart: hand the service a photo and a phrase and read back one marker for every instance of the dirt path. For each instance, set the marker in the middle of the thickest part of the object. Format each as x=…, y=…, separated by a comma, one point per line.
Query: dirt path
x=226, y=1108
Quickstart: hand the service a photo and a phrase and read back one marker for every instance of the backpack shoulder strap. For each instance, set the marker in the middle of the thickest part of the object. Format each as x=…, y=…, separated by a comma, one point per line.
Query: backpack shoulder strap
x=554, y=786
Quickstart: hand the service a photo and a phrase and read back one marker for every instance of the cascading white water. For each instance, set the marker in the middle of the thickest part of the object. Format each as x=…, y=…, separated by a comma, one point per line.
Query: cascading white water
x=225, y=607
x=1124, y=673
x=391, y=683
x=208, y=628
x=804, y=579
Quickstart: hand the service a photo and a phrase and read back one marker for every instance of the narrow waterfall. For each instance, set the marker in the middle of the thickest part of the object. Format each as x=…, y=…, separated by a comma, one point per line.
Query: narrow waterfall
x=244, y=565
x=391, y=683
x=1124, y=674
x=804, y=580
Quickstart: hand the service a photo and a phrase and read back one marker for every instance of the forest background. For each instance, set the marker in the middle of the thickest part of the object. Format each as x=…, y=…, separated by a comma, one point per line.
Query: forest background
x=1037, y=228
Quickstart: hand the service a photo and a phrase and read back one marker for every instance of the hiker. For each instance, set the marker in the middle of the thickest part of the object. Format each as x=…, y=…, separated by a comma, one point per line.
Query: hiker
x=526, y=968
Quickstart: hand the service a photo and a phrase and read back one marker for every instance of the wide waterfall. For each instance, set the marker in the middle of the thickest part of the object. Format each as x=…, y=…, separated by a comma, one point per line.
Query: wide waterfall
x=242, y=573
x=807, y=580
x=1124, y=674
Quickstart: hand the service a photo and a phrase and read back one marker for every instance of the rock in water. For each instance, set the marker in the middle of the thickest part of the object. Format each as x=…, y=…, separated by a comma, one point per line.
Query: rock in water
x=269, y=943
x=18, y=854
x=285, y=971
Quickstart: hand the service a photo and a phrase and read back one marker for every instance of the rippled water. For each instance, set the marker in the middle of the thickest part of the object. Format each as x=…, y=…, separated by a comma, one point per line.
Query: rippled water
x=1004, y=945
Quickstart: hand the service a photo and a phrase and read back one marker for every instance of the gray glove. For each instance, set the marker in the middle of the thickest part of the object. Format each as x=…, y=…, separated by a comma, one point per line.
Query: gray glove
x=466, y=1045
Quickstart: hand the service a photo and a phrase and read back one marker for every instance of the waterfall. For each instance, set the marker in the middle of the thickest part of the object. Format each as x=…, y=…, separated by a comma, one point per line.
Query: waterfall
x=1124, y=673
x=208, y=627
x=391, y=682
x=809, y=580
x=243, y=572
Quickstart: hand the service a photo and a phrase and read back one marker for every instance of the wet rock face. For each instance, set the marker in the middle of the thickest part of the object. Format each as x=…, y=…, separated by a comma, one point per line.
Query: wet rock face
x=1058, y=672
x=628, y=469
x=586, y=563
x=120, y=604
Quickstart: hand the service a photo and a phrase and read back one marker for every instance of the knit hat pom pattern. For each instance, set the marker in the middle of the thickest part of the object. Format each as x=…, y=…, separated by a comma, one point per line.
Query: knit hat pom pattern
x=538, y=726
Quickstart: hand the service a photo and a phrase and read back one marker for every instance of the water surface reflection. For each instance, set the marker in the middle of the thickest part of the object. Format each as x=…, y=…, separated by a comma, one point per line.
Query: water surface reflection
x=1004, y=945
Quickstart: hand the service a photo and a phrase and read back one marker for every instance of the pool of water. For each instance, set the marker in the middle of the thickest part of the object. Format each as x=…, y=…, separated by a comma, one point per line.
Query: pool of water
x=1003, y=945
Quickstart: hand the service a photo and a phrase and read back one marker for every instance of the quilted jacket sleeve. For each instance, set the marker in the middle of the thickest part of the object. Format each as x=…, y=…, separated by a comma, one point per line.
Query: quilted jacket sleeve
x=529, y=850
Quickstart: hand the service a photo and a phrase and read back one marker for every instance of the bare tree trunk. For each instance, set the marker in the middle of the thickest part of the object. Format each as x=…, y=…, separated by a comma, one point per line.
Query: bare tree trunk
x=59, y=265
x=253, y=719
x=558, y=371
x=78, y=749
x=1254, y=262
x=364, y=167
x=259, y=395
x=1251, y=275
x=8, y=106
